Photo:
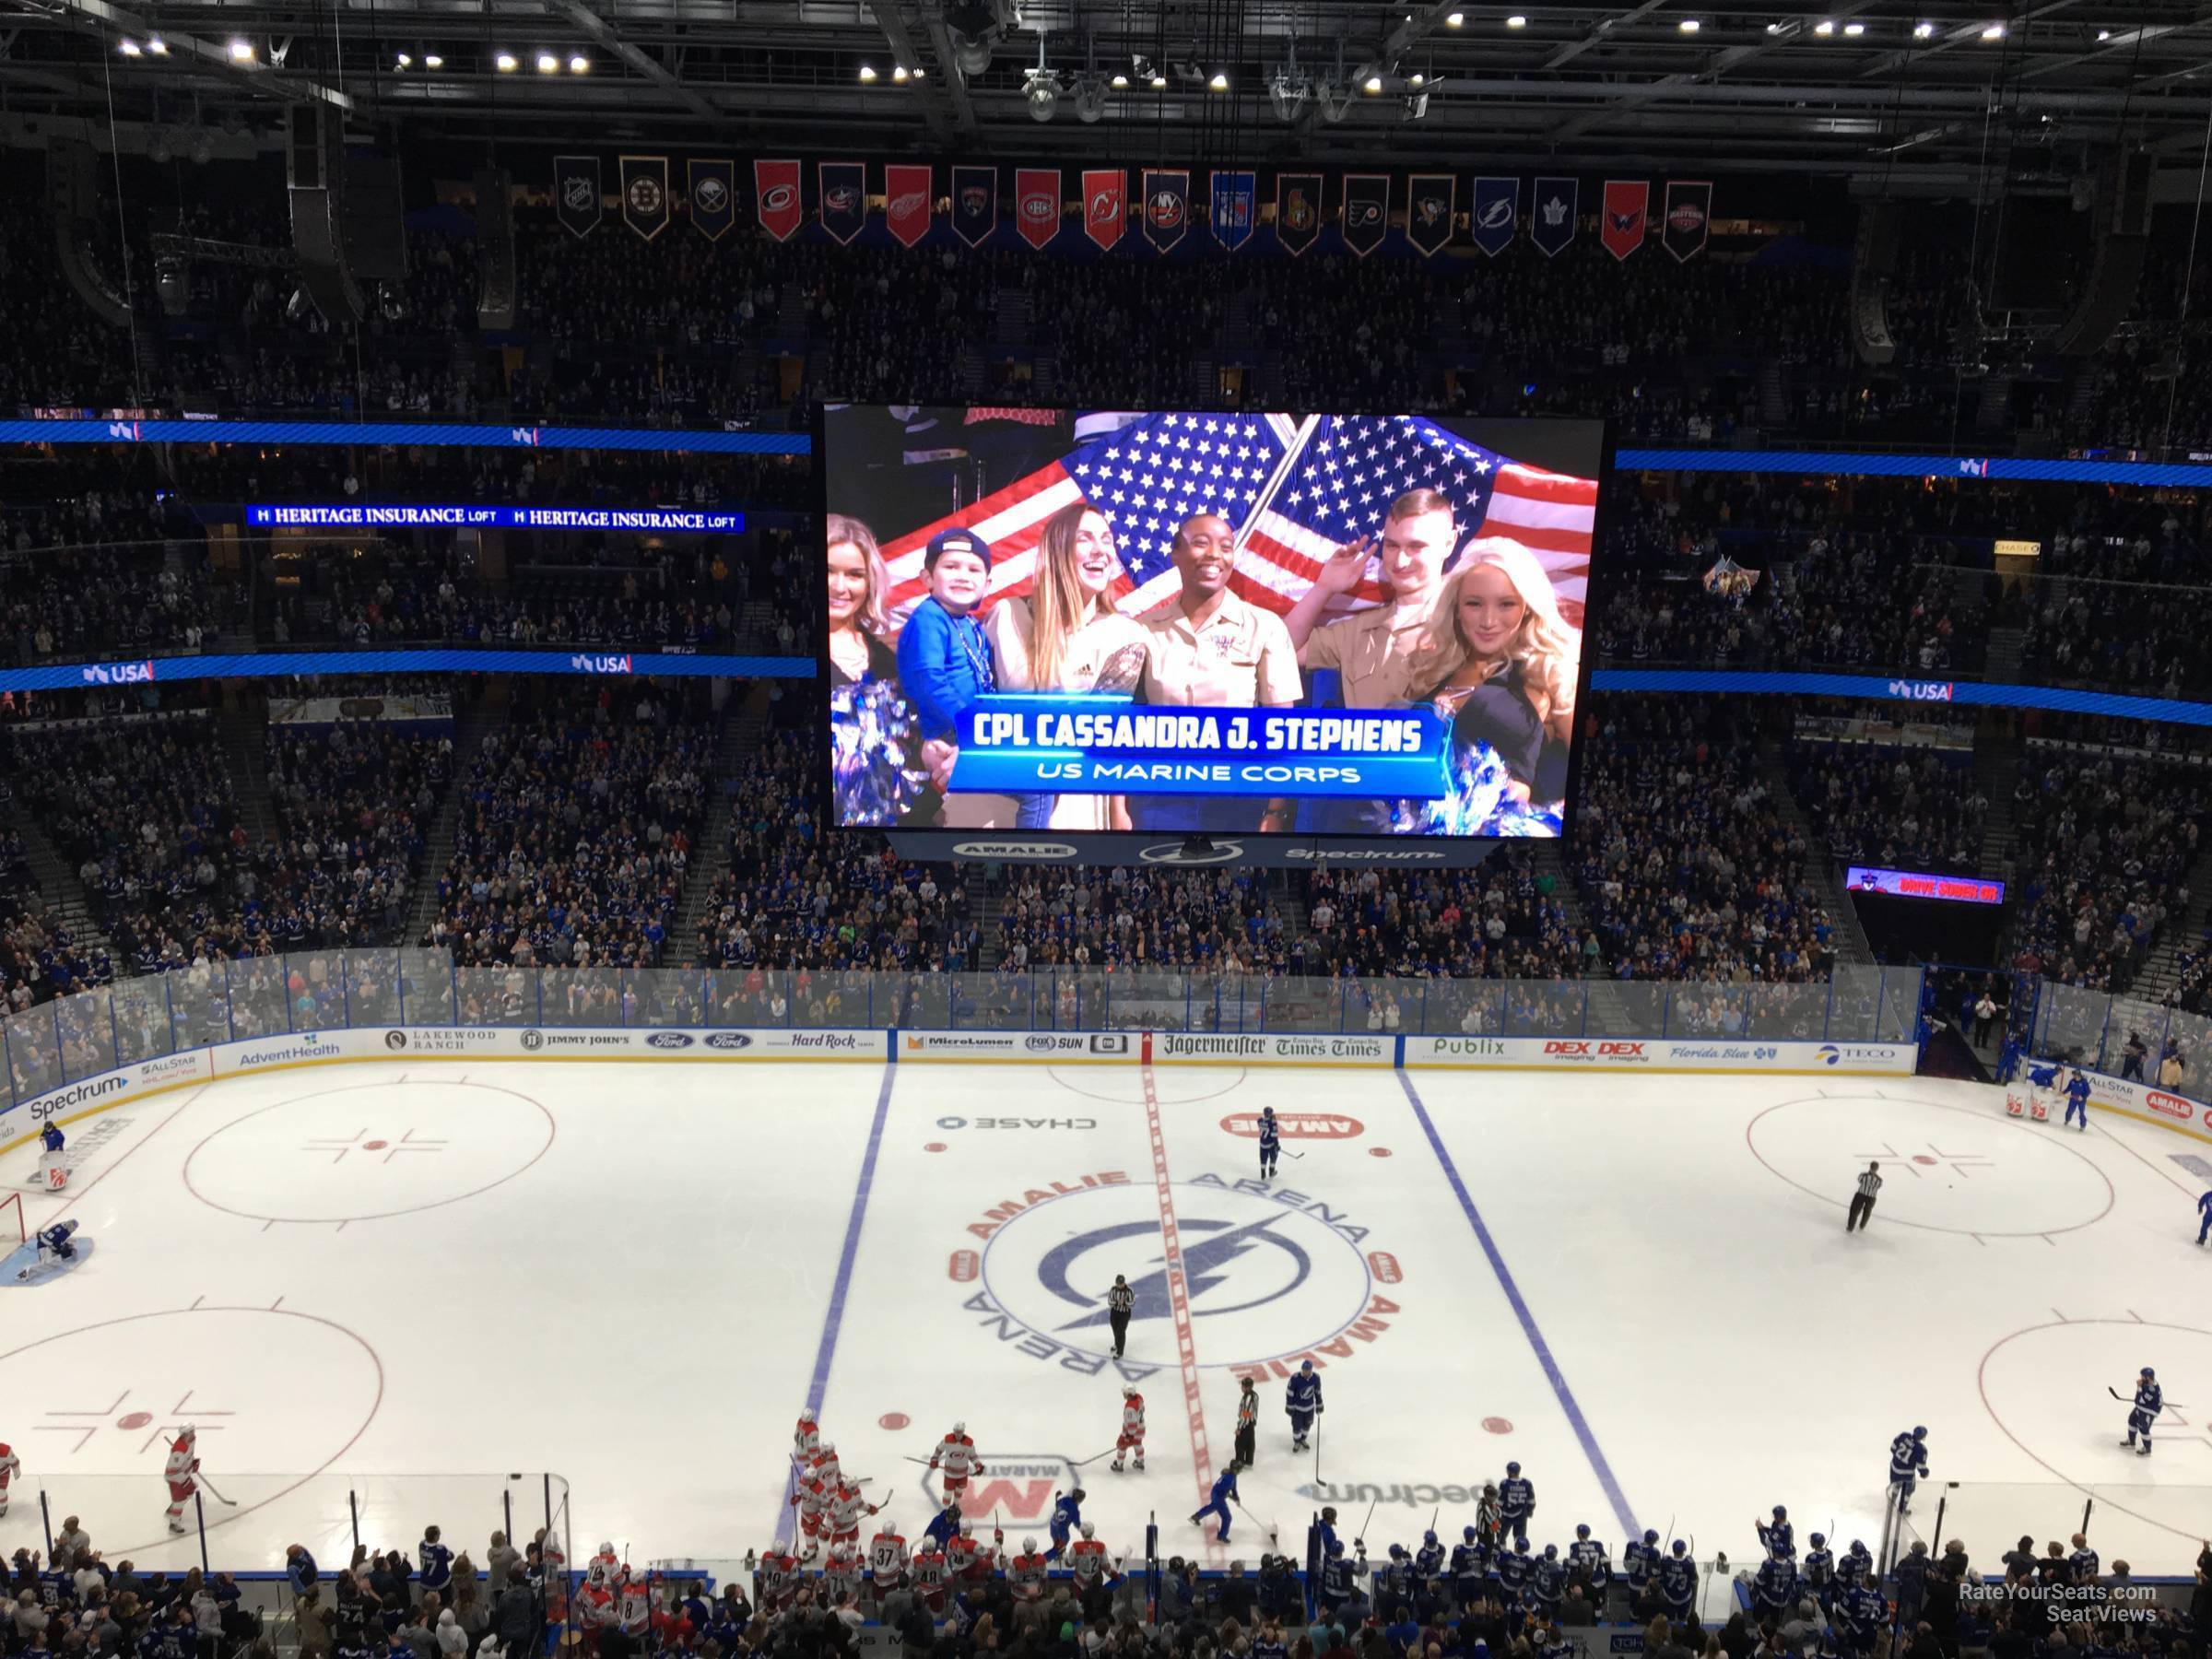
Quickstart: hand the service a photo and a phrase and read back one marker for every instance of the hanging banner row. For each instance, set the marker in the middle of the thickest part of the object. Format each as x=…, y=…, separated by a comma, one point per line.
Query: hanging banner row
x=1361, y=205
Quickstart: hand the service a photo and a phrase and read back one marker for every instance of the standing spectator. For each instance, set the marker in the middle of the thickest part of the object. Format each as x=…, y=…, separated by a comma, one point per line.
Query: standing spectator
x=498, y=1564
x=437, y=1563
x=2171, y=1066
x=2133, y=1056
x=1986, y=1011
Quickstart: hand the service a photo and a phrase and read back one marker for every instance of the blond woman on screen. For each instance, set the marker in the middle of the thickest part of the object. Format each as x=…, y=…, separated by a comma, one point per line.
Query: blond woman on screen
x=858, y=585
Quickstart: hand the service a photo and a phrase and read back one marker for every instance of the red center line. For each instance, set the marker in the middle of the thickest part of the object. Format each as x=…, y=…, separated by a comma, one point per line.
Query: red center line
x=1179, y=1303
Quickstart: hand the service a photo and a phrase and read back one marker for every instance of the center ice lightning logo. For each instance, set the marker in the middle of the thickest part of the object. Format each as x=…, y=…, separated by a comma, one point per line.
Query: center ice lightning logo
x=1272, y=1275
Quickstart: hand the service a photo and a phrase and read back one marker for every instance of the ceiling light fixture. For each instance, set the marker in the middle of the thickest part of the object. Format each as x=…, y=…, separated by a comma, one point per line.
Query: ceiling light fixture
x=1921, y=31
x=241, y=52
x=1372, y=85
x=1855, y=28
x=1516, y=22
x=547, y=64
x=867, y=73
x=506, y=62
x=128, y=48
x=2104, y=34
x=1220, y=82
x=1825, y=27
x=1996, y=32
x=580, y=65
x=404, y=61
x=1159, y=81
x=430, y=60
x=899, y=74
x=1453, y=19
x=1689, y=26
x=1119, y=82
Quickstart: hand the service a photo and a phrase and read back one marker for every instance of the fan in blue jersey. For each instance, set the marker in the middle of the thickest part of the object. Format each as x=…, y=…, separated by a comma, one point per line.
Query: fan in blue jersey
x=1302, y=1403
x=1216, y=1504
x=2077, y=1097
x=2149, y=1400
x=2083, y=1564
x=1908, y=1464
x=1516, y=1503
x=1270, y=1142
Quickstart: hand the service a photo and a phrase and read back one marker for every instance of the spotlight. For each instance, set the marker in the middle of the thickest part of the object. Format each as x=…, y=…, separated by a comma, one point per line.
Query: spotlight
x=972, y=53
x=1996, y=32
x=1159, y=82
x=128, y=48
x=1689, y=26
x=899, y=76
x=1516, y=22
x=1453, y=19
x=1220, y=82
x=580, y=65
x=1825, y=27
x=1090, y=99
x=241, y=52
x=1417, y=79
x=868, y=73
x=433, y=60
x=404, y=61
x=2104, y=34
x=1372, y=85
x=1043, y=96
x=506, y=62
x=1119, y=82
x=157, y=45
x=173, y=281
x=547, y=64
x=1921, y=31
x=296, y=307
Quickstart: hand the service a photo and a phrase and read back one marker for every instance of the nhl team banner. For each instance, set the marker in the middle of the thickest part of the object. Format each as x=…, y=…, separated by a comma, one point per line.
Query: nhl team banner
x=974, y=203
x=1431, y=204
x=577, y=192
x=778, y=204
x=711, y=189
x=1366, y=211
x=645, y=194
x=1297, y=210
x=1689, y=211
x=1104, y=743
x=1037, y=204
x=1167, y=206
x=907, y=201
x=845, y=186
x=1551, y=213
x=1497, y=211
x=1628, y=205
x=1105, y=205
x=1236, y=206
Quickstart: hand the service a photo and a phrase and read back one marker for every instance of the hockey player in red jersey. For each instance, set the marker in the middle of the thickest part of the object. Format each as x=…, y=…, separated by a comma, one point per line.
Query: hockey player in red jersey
x=779, y=1577
x=956, y=1460
x=827, y=1466
x=846, y=1508
x=1087, y=1560
x=805, y=1439
x=960, y=1552
x=812, y=1500
x=928, y=1570
x=184, y=1463
x=1133, y=1429
x=596, y=1609
x=11, y=1466
x=1026, y=1575
x=840, y=1572
x=887, y=1557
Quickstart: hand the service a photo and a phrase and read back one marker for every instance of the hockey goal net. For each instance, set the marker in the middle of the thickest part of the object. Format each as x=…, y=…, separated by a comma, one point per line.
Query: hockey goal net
x=12, y=1231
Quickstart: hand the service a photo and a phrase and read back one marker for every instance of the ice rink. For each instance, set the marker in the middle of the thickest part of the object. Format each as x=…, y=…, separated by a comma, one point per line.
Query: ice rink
x=425, y=1286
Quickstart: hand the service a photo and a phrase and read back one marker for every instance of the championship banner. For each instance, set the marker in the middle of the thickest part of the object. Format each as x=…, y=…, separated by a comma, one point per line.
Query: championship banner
x=777, y=202
x=1496, y=212
x=845, y=190
x=1552, y=213
x=1366, y=211
x=1431, y=204
x=1689, y=211
x=1297, y=210
x=1037, y=204
x=1167, y=206
x=645, y=194
x=1236, y=206
x=1102, y=744
x=907, y=201
x=1628, y=202
x=1105, y=205
x=577, y=192
x=975, y=204
x=712, y=192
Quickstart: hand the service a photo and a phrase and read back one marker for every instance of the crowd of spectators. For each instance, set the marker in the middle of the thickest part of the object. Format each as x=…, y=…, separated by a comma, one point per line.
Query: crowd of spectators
x=1685, y=869
x=1912, y=809
x=2102, y=843
x=575, y=829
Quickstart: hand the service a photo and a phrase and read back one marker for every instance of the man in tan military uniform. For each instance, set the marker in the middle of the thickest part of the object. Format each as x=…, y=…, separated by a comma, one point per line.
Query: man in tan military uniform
x=1212, y=651
x=1377, y=651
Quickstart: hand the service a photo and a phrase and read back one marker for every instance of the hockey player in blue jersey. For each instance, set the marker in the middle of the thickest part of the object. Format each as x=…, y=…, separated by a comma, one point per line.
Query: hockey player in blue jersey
x=1820, y=1571
x=1778, y=1536
x=1548, y=1582
x=1470, y=1566
x=1514, y=1567
x=1855, y=1566
x=1678, y=1584
x=54, y=1245
x=1271, y=1143
x=1772, y=1587
x=945, y=1526
x=1589, y=1565
x=1516, y=1503
x=1393, y=1580
x=1301, y=1402
x=1067, y=1515
x=1908, y=1464
x=1860, y=1615
x=2077, y=1097
x=1640, y=1561
x=1225, y=1487
x=2203, y=1208
x=2149, y=1399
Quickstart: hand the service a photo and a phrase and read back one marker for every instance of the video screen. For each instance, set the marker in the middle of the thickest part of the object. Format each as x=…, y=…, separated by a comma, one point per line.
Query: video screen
x=1175, y=623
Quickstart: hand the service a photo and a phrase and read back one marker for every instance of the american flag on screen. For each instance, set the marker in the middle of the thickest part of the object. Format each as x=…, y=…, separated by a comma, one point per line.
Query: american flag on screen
x=1295, y=490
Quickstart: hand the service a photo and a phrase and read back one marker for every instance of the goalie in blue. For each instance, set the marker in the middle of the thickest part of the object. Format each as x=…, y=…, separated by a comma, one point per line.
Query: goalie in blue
x=52, y=1250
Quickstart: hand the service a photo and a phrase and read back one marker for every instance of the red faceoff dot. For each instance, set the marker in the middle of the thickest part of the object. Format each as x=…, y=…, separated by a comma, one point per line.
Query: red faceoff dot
x=934, y=1147
x=1378, y=1151
x=1496, y=1426
x=374, y=1146
x=134, y=1420
x=893, y=1419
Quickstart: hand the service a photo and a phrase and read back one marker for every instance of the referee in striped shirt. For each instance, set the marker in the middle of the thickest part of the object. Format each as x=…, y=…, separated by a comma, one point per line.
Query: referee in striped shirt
x=1862, y=1201
x=1120, y=1299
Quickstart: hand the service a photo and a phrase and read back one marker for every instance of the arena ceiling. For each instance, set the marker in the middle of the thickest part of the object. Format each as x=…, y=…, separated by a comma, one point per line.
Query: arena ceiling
x=1875, y=91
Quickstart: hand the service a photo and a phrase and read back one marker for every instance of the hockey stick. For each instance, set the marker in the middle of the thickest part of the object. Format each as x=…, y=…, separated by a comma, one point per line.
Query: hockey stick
x=1094, y=1458
x=1273, y=1533
x=1360, y=1537
x=226, y=1502
x=2130, y=1400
